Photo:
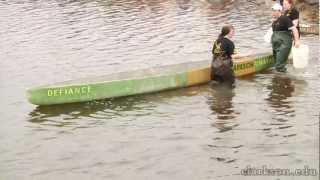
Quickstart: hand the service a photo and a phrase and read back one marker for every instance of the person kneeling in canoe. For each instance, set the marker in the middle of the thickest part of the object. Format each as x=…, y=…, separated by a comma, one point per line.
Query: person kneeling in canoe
x=223, y=49
x=281, y=39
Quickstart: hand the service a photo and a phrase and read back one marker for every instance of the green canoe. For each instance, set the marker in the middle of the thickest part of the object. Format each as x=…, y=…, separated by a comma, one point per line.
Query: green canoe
x=140, y=81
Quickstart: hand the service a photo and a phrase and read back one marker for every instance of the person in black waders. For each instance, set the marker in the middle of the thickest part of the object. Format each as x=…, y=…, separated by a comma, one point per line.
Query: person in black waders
x=223, y=48
x=281, y=39
x=292, y=13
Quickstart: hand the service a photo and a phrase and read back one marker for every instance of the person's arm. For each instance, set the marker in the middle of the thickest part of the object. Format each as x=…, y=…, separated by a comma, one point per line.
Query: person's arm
x=295, y=36
x=294, y=30
x=243, y=55
x=295, y=16
x=237, y=56
x=295, y=22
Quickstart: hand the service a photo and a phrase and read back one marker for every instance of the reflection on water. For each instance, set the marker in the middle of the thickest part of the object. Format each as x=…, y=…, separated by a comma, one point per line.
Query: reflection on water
x=99, y=110
x=281, y=89
x=108, y=109
x=220, y=102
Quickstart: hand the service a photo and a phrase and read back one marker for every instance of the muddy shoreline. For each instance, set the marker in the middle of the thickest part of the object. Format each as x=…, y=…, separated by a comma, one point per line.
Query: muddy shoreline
x=309, y=11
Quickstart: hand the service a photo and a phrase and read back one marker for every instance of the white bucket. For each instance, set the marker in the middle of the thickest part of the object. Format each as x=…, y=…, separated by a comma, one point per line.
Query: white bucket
x=300, y=56
x=268, y=35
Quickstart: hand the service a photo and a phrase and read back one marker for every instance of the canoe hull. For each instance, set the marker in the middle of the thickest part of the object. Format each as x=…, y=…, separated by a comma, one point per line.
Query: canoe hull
x=89, y=91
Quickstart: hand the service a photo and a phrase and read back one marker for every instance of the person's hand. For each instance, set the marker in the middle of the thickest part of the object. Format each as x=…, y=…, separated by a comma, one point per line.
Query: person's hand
x=297, y=44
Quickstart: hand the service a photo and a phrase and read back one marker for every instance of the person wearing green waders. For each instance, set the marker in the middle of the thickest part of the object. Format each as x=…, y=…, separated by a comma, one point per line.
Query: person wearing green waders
x=222, y=51
x=281, y=39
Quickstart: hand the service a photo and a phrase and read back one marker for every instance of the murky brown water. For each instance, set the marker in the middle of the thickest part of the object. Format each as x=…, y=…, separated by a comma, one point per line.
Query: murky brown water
x=194, y=133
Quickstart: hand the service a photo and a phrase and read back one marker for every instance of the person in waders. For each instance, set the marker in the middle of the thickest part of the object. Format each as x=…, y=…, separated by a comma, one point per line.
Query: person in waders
x=281, y=39
x=223, y=49
x=292, y=13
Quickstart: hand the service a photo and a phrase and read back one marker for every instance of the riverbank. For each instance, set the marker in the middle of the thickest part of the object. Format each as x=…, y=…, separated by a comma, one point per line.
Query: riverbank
x=309, y=11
